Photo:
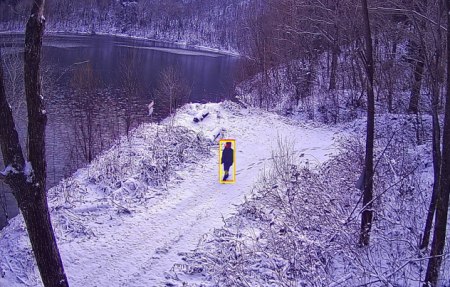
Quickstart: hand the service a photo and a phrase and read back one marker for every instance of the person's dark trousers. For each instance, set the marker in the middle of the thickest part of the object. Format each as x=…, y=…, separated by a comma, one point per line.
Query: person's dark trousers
x=226, y=168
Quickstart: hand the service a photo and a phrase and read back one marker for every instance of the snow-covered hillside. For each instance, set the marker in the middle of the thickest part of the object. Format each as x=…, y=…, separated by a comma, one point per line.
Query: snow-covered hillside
x=127, y=219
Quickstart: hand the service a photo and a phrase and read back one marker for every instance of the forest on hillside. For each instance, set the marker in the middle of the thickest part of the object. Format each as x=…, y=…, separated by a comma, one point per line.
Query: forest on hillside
x=212, y=23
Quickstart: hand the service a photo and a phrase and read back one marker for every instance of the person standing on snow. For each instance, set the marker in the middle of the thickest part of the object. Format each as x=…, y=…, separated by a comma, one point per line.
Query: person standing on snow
x=227, y=159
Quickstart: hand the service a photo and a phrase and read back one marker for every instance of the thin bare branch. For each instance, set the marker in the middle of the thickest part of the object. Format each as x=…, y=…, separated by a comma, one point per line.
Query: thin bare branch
x=406, y=11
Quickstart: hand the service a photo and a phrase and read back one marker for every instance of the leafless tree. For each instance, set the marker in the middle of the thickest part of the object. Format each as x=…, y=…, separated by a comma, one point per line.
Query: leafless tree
x=13, y=69
x=442, y=203
x=172, y=87
x=132, y=87
x=367, y=214
x=418, y=48
x=84, y=110
x=433, y=54
x=27, y=178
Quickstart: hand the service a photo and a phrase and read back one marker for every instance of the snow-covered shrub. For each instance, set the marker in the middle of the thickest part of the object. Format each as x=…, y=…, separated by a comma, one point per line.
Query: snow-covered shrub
x=135, y=170
x=402, y=188
x=290, y=233
x=301, y=227
x=13, y=243
x=151, y=156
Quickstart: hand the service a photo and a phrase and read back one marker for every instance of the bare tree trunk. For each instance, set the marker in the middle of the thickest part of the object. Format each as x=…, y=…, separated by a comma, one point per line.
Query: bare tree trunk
x=334, y=64
x=37, y=118
x=417, y=83
x=28, y=179
x=442, y=204
x=390, y=81
x=9, y=138
x=413, y=108
x=437, y=157
x=436, y=168
x=367, y=215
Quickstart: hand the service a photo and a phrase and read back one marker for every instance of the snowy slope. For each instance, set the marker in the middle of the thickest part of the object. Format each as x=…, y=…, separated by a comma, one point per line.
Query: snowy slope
x=138, y=243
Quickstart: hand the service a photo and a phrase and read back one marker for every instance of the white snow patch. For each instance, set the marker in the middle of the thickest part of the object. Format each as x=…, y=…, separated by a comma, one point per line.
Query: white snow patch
x=175, y=51
x=64, y=45
x=9, y=169
x=28, y=171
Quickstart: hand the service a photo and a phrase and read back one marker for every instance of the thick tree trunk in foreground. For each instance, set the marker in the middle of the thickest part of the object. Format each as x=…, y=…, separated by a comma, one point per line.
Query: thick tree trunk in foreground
x=437, y=159
x=437, y=156
x=440, y=226
x=37, y=118
x=27, y=179
x=367, y=215
x=436, y=184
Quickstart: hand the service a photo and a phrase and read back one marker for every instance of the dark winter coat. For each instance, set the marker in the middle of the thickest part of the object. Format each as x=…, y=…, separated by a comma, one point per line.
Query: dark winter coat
x=227, y=156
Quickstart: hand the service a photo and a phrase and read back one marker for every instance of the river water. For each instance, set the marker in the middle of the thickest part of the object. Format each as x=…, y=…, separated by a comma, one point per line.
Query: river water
x=98, y=87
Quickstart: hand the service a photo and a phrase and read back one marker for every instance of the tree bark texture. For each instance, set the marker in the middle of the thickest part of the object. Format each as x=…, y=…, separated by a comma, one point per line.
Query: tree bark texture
x=37, y=118
x=334, y=64
x=437, y=156
x=419, y=7
x=367, y=214
x=27, y=179
x=437, y=159
x=417, y=83
x=442, y=204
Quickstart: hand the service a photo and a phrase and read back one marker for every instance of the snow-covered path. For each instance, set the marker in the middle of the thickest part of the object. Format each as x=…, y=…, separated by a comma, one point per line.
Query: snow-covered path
x=147, y=243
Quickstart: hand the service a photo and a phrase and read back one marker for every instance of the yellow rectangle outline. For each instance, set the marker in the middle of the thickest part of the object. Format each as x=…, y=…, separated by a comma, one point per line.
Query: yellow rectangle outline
x=234, y=161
